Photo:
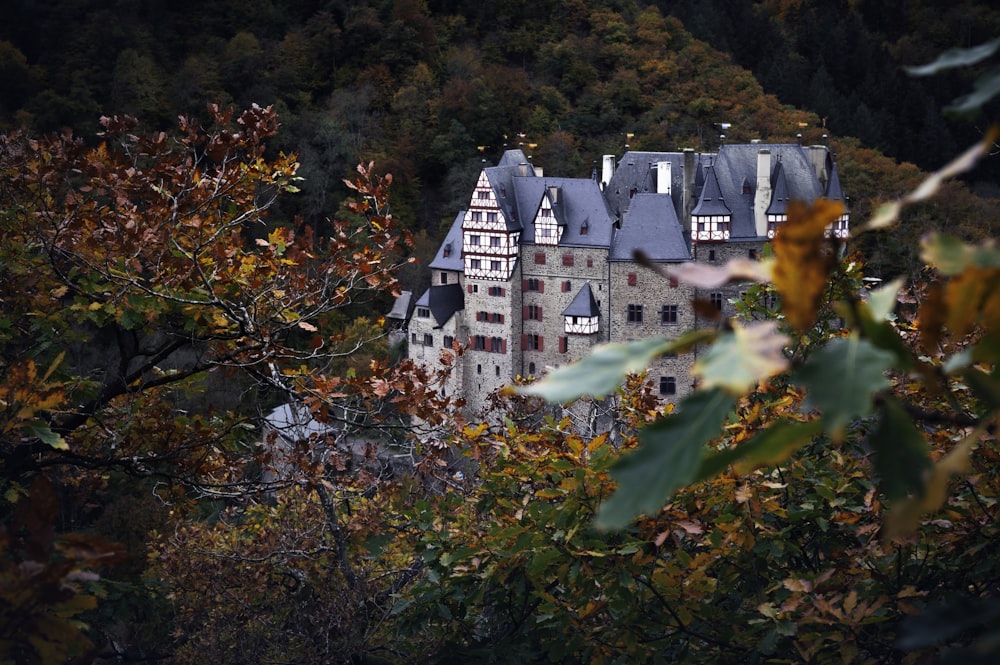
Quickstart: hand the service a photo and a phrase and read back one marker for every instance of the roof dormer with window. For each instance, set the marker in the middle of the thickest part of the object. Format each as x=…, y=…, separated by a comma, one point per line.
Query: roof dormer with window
x=711, y=219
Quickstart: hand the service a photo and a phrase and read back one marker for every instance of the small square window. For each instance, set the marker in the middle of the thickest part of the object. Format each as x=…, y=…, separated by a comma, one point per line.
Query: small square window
x=444, y=278
x=668, y=385
x=634, y=313
x=716, y=299
x=668, y=314
x=633, y=279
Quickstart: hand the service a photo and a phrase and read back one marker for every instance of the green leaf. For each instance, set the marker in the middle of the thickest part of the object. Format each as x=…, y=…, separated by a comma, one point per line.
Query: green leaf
x=987, y=87
x=840, y=379
x=42, y=431
x=951, y=256
x=901, y=452
x=668, y=457
x=882, y=301
x=770, y=446
x=740, y=359
x=956, y=57
x=601, y=372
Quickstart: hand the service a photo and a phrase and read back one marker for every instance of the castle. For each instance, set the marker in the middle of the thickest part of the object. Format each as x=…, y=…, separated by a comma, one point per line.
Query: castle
x=538, y=270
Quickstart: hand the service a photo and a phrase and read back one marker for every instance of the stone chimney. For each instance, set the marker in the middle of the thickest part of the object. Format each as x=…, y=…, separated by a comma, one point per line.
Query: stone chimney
x=762, y=197
x=523, y=169
x=817, y=159
x=607, y=170
x=688, y=191
x=663, y=175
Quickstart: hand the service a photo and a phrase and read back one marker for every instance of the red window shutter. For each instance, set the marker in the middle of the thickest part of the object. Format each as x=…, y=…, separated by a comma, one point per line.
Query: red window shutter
x=567, y=259
x=539, y=312
x=503, y=291
x=468, y=288
x=540, y=258
x=673, y=282
x=524, y=312
x=632, y=279
x=590, y=262
x=524, y=342
x=563, y=344
x=541, y=286
x=524, y=285
x=541, y=344
x=503, y=346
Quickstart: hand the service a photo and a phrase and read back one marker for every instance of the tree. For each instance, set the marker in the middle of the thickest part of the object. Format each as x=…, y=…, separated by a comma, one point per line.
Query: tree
x=138, y=270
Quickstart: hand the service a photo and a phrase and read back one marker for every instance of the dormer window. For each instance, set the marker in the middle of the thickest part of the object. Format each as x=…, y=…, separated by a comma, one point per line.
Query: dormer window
x=447, y=250
x=585, y=228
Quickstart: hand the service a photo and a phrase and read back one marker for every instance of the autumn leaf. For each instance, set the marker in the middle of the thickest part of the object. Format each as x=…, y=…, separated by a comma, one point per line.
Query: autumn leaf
x=740, y=359
x=802, y=263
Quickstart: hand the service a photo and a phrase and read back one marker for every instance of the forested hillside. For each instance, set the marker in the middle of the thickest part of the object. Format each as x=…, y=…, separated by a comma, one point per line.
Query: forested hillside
x=210, y=453
x=429, y=89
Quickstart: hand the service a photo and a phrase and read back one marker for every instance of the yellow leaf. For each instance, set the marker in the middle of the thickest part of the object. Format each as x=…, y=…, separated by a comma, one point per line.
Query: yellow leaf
x=801, y=262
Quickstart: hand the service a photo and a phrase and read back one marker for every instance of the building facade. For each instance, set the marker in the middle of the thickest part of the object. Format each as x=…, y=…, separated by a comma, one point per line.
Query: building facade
x=538, y=270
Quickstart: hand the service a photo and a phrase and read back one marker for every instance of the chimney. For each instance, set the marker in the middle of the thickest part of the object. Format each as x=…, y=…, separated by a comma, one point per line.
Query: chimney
x=538, y=171
x=688, y=191
x=554, y=194
x=762, y=197
x=608, y=169
x=817, y=159
x=663, y=175
x=522, y=169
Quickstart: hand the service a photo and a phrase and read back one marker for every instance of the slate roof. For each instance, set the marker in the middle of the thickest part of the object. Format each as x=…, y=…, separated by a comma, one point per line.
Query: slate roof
x=583, y=303
x=779, y=192
x=650, y=225
x=711, y=202
x=579, y=202
x=833, y=189
x=738, y=162
x=401, y=306
x=449, y=254
x=512, y=164
x=443, y=300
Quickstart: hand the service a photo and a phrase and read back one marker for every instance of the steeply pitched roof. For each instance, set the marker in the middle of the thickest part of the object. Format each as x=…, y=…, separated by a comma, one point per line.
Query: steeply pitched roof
x=443, y=300
x=779, y=192
x=833, y=189
x=580, y=202
x=650, y=225
x=512, y=165
x=449, y=254
x=401, y=306
x=738, y=162
x=711, y=202
x=583, y=303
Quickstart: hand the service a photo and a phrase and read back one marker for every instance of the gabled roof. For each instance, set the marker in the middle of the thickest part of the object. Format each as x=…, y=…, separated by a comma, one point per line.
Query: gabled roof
x=833, y=190
x=650, y=225
x=580, y=202
x=513, y=165
x=449, y=254
x=443, y=301
x=710, y=202
x=583, y=304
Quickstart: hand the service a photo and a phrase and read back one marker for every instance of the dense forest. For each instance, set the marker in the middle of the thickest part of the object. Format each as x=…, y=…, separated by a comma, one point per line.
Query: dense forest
x=205, y=207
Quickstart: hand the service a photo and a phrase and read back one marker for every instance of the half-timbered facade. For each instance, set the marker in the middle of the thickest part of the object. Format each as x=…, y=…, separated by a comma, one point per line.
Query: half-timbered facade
x=538, y=269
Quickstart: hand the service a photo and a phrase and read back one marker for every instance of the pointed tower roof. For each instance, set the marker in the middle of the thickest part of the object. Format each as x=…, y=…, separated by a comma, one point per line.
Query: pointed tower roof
x=711, y=201
x=583, y=304
x=833, y=190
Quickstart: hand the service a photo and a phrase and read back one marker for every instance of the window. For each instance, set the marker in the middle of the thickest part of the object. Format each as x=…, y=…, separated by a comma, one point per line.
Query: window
x=494, y=241
x=477, y=216
x=531, y=368
x=711, y=255
x=496, y=317
x=546, y=212
x=473, y=240
x=491, y=217
x=475, y=264
x=590, y=262
x=496, y=368
x=673, y=282
x=423, y=313
x=532, y=342
x=567, y=286
x=533, y=312
x=449, y=341
x=497, y=345
x=668, y=385
x=567, y=259
x=753, y=255
x=494, y=265
x=632, y=279
x=532, y=284
x=496, y=291
x=584, y=229
x=668, y=314
x=444, y=278
x=564, y=344
x=413, y=338
x=428, y=339
x=716, y=299
x=479, y=343
x=479, y=369
x=634, y=313
x=540, y=258
x=482, y=194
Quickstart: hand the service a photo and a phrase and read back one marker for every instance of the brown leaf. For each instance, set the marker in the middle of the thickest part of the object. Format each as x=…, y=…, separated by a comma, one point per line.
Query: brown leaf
x=802, y=263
